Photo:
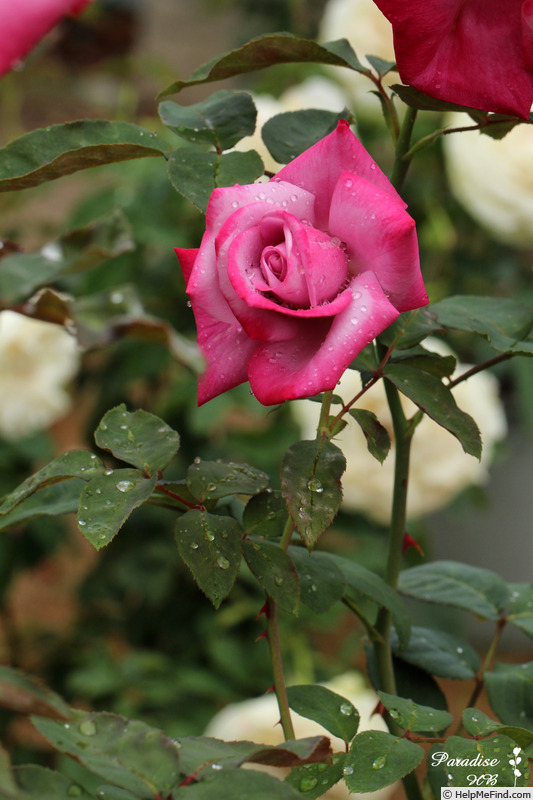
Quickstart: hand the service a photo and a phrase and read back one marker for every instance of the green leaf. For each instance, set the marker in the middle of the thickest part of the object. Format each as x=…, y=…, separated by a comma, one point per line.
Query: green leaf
x=138, y=438
x=108, y=500
x=410, y=329
x=509, y=689
x=27, y=695
x=499, y=126
x=310, y=480
x=480, y=757
x=314, y=780
x=77, y=250
x=289, y=134
x=478, y=724
x=220, y=121
x=274, y=570
x=210, y=545
x=8, y=787
x=377, y=759
x=126, y=753
x=73, y=464
x=237, y=783
x=377, y=437
x=104, y=317
x=39, y=783
x=108, y=792
x=195, y=173
x=423, y=102
x=437, y=401
x=381, y=66
x=198, y=753
x=450, y=583
x=420, y=358
x=333, y=712
x=49, y=153
x=505, y=323
x=440, y=654
x=520, y=609
x=265, y=51
x=211, y=480
x=60, y=498
x=414, y=717
x=266, y=514
x=367, y=583
x=321, y=580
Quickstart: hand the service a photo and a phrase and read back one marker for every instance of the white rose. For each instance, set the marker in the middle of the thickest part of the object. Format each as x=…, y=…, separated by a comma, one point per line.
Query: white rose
x=315, y=92
x=439, y=468
x=369, y=33
x=493, y=179
x=257, y=721
x=37, y=360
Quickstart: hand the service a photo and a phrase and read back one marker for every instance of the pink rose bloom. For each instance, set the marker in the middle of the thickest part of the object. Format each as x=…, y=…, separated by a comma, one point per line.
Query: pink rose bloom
x=296, y=276
x=23, y=23
x=476, y=53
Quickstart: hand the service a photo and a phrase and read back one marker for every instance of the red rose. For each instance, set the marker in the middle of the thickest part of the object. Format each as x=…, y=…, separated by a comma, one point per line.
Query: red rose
x=476, y=53
x=295, y=277
x=23, y=23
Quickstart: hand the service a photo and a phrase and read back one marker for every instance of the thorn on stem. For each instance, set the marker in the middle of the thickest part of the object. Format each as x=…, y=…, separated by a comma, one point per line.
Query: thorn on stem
x=264, y=610
x=408, y=542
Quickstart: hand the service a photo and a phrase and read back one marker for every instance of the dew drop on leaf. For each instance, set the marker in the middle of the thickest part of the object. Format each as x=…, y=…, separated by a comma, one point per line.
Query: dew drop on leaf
x=222, y=562
x=87, y=727
x=124, y=486
x=379, y=763
x=348, y=771
x=308, y=783
x=346, y=709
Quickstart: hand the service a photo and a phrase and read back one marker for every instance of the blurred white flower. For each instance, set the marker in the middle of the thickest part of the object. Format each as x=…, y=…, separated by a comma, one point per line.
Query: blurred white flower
x=257, y=721
x=493, y=179
x=37, y=360
x=315, y=92
x=439, y=468
x=369, y=33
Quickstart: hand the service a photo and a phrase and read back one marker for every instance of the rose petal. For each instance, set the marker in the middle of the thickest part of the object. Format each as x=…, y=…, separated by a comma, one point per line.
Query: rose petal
x=23, y=23
x=468, y=52
x=227, y=350
x=314, y=269
x=314, y=361
x=527, y=33
x=317, y=169
x=380, y=236
x=258, y=324
x=227, y=200
x=186, y=258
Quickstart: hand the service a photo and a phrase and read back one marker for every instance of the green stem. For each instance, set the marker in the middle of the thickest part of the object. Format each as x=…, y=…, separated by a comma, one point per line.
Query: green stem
x=286, y=536
x=402, y=161
x=480, y=677
x=403, y=436
x=277, y=669
x=323, y=426
x=479, y=368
